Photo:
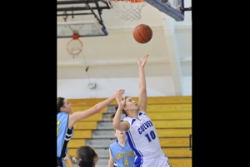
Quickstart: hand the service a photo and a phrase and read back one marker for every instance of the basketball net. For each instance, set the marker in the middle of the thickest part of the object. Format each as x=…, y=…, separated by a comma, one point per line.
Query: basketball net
x=75, y=45
x=127, y=9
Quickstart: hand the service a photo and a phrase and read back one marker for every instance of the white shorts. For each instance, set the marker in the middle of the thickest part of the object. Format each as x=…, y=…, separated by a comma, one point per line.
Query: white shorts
x=161, y=161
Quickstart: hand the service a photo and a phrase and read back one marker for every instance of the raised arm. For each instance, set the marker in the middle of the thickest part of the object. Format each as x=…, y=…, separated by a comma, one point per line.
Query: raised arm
x=117, y=124
x=142, y=84
x=76, y=116
x=111, y=160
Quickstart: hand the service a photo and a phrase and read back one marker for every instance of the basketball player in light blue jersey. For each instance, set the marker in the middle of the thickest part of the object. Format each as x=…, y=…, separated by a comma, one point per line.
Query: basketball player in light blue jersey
x=140, y=131
x=120, y=153
x=66, y=122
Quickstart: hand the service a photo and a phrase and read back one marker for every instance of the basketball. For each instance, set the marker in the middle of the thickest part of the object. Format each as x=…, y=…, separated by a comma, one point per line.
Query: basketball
x=142, y=33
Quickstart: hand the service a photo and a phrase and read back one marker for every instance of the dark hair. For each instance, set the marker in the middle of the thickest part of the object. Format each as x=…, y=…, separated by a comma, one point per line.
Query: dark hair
x=86, y=155
x=116, y=107
x=60, y=103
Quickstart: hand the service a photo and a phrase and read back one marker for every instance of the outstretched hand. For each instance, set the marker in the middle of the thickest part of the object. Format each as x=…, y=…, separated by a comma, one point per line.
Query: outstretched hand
x=119, y=98
x=142, y=62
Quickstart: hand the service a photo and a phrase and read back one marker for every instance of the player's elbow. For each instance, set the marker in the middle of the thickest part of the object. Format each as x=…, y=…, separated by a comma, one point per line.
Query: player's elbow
x=116, y=125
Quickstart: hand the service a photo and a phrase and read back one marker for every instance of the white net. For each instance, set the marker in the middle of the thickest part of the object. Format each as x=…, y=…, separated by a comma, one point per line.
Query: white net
x=127, y=9
x=74, y=46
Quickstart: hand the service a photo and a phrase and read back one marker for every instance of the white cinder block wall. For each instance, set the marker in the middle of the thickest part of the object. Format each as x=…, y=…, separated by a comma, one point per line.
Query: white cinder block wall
x=156, y=86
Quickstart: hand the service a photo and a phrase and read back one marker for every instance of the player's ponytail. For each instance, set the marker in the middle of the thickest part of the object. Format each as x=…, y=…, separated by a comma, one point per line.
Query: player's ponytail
x=113, y=115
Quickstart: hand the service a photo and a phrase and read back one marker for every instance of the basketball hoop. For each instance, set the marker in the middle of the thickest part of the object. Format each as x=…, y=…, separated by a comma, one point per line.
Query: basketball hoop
x=75, y=45
x=127, y=9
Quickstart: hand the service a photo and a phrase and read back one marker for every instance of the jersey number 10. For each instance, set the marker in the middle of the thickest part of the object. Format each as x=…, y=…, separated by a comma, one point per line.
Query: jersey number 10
x=151, y=136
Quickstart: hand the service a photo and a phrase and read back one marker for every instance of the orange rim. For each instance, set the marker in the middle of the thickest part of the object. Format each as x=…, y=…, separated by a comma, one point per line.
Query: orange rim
x=75, y=36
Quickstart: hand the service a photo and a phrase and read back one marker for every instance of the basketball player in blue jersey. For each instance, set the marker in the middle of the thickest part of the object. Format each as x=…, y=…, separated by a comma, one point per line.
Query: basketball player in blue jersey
x=140, y=131
x=120, y=153
x=66, y=122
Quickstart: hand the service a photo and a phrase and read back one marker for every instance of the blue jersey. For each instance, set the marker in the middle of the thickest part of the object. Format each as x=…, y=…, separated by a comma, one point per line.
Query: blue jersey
x=143, y=138
x=123, y=156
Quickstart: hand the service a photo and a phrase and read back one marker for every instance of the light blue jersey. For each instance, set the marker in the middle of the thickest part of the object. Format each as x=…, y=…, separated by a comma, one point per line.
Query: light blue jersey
x=63, y=135
x=62, y=127
x=123, y=156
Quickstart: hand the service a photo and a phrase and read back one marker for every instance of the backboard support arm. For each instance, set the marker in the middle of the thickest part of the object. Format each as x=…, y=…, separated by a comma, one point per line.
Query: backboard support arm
x=186, y=9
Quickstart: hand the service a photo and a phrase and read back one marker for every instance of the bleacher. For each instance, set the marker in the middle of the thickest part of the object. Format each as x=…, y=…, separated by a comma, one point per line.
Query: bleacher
x=171, y=115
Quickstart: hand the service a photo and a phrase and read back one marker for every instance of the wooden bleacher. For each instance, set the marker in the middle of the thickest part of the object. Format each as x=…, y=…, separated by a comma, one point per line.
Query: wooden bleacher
x=172, y=117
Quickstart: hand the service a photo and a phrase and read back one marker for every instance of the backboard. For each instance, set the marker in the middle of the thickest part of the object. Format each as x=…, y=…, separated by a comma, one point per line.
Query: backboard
x=82, y=16
x=84, y=29
x=173, y=8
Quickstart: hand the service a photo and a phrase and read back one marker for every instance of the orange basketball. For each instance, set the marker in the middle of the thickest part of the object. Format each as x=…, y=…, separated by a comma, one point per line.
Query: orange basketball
x=142, y=33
